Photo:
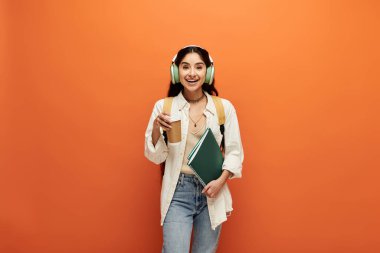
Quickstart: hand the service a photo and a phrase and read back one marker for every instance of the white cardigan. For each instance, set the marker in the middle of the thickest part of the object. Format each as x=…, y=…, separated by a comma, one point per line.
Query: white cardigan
x=173, y=153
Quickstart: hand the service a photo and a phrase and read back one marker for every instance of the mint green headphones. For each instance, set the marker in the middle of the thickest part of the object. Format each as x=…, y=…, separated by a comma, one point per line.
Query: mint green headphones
x=174, y=71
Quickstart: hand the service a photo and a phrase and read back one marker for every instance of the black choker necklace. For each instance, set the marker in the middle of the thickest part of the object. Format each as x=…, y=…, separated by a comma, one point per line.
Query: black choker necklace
x=194, y=101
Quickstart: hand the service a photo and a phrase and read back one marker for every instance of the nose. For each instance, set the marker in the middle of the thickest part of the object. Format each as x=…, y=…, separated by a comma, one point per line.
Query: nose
x=192, y=72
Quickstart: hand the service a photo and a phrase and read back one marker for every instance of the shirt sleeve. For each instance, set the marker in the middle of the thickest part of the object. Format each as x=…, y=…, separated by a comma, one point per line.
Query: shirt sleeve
x=234, y=154
x=159, y=152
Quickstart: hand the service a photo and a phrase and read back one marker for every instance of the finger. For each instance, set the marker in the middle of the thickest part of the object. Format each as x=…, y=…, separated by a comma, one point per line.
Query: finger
x=164, y=119
x=211, y=194
x=156, y=122
x=206, y=188
x=163, y=124
x=207, y=192
x=165, y=114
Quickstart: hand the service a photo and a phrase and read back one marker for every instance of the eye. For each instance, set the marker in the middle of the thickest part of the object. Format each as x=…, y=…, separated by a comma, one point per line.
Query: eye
x=199, y=67
x=185, y=67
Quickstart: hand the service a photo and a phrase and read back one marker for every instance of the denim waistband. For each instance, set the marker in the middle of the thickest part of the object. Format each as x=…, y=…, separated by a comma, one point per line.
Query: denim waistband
x=188, y=178
x=186, y=175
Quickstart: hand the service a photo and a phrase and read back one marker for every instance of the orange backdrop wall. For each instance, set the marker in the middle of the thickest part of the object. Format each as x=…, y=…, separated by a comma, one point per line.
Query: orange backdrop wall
x=78, y=83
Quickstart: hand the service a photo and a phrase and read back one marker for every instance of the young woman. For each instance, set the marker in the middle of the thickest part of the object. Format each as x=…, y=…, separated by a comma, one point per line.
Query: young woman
x=185, y=205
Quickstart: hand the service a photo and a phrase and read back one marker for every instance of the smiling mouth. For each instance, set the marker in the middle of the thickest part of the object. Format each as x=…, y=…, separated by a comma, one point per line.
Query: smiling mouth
x=192, y=81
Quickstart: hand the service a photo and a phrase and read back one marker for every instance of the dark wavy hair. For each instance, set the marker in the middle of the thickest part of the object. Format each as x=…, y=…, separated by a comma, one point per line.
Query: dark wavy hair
x=175, y=89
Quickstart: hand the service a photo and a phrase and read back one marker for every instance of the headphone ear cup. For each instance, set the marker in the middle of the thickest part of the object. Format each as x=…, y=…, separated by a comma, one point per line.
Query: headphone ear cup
x=209, y=74
x=174, y=72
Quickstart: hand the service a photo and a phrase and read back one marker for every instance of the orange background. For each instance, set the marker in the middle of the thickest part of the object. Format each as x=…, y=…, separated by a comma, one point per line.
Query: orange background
x=78, y=83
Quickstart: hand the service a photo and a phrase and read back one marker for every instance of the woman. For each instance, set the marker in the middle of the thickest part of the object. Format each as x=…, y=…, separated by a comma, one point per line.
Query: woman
x=185, y=204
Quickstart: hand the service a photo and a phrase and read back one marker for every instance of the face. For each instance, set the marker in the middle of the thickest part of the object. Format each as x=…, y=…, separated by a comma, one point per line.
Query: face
x=192, y=72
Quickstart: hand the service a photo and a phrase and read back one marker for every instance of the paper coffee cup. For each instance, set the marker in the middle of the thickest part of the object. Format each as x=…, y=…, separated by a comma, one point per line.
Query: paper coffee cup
x=174, y=134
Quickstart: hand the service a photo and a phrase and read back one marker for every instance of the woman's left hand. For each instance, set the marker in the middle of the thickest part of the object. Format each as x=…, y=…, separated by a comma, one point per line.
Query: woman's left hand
x=212, y=188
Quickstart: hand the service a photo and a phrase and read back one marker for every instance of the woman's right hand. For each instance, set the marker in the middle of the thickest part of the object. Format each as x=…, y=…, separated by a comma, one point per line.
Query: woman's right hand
x=163, y=121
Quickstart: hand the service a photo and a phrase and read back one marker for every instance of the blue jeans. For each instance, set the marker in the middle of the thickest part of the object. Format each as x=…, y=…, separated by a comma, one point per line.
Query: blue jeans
x=188, y=209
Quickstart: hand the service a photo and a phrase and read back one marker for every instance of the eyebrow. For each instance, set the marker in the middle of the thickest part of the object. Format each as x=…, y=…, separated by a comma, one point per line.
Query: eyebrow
x=195, y=63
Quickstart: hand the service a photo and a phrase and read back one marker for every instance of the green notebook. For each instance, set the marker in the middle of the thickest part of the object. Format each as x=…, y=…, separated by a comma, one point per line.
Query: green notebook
x=206, y=159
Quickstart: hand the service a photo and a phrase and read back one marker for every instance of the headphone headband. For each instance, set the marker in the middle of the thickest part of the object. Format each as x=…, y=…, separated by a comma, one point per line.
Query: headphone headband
x=209, y=56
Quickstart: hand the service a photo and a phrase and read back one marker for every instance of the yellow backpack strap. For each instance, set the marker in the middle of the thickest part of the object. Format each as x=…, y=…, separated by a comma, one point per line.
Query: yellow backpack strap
x=168, y=105
x=219, y=109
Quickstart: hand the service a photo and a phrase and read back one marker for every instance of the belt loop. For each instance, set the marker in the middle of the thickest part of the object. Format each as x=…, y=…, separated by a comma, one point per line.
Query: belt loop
x=196, y=181
x=182, y=176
